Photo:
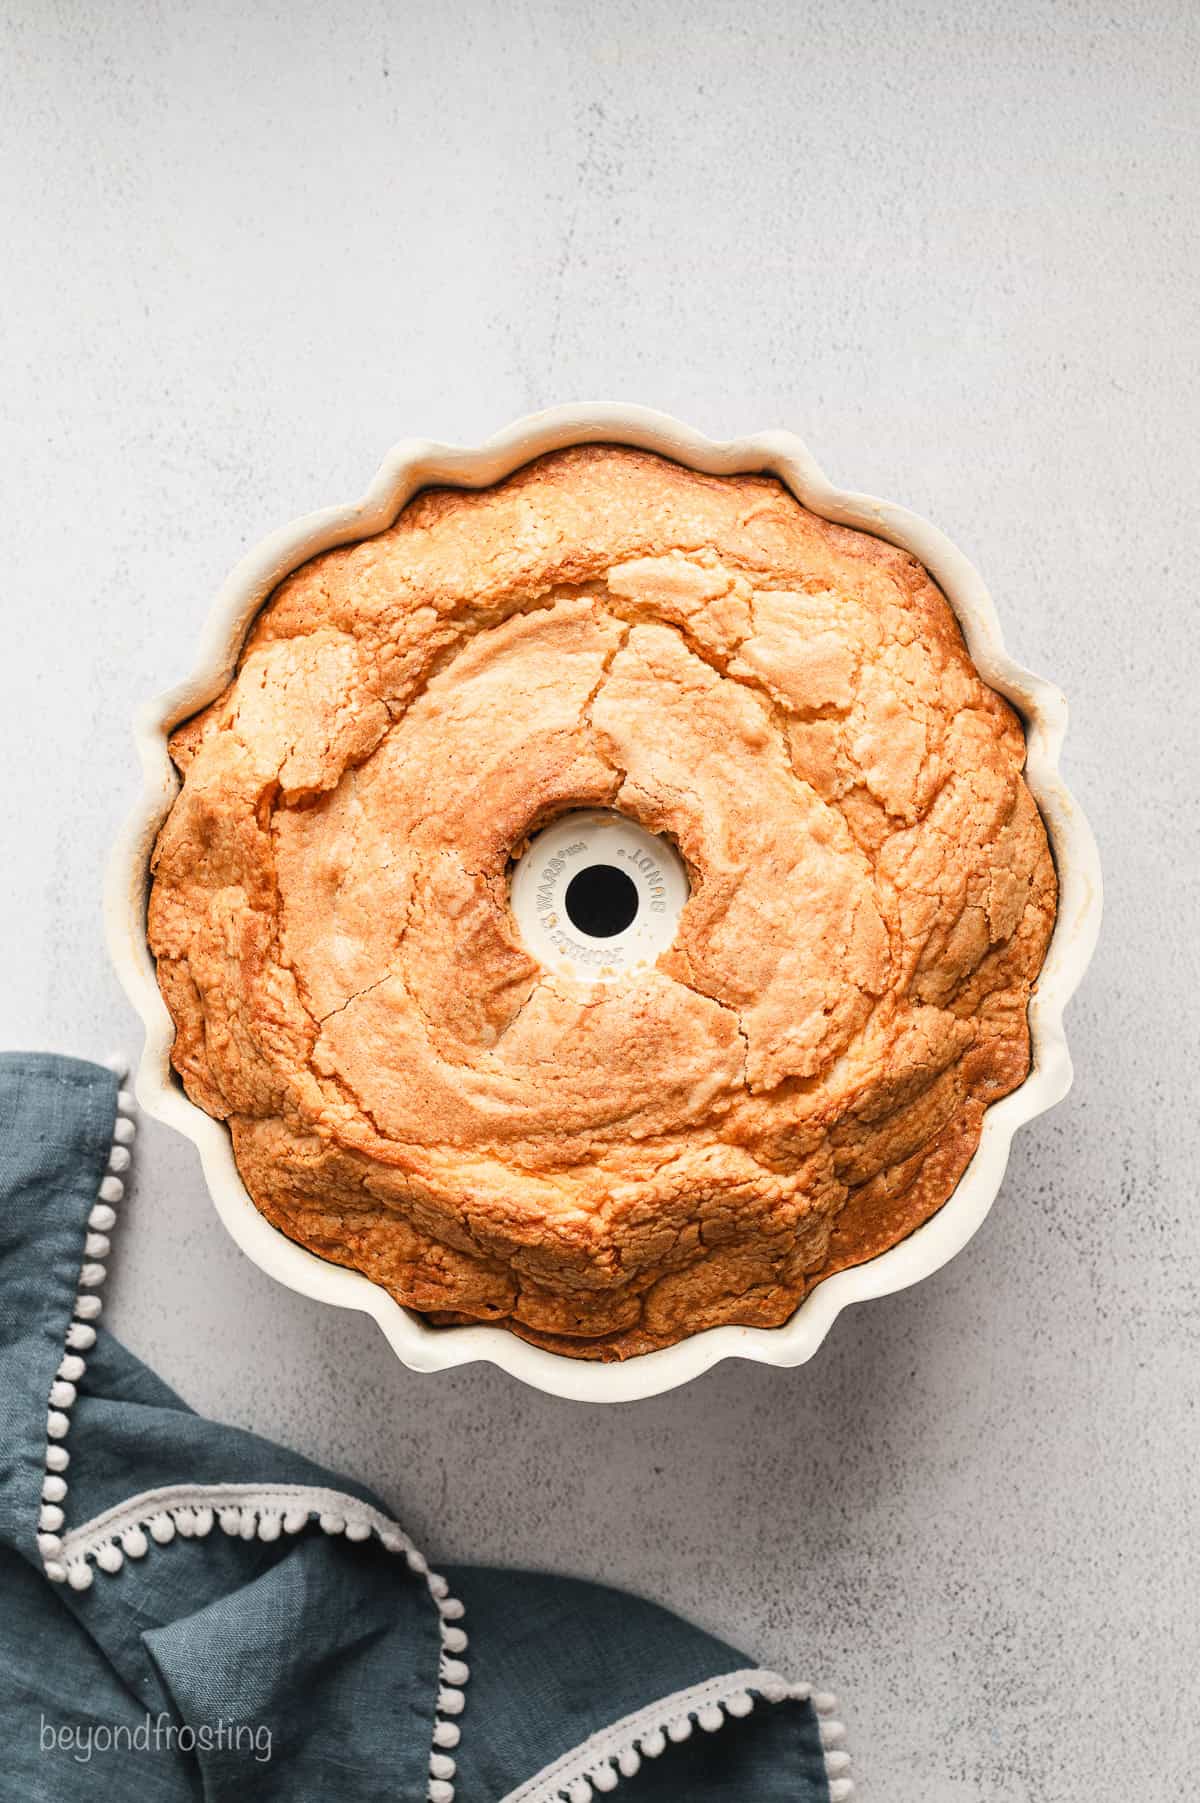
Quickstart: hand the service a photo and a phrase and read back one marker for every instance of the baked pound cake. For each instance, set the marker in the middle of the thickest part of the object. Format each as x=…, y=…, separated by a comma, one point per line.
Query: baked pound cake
x=797, y=1081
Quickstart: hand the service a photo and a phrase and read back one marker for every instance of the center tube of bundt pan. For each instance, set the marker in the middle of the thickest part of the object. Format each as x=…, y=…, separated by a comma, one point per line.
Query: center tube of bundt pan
x=596, y=897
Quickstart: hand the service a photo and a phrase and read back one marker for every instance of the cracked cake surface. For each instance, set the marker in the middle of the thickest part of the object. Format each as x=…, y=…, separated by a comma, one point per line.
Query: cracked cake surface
x=797, y=1083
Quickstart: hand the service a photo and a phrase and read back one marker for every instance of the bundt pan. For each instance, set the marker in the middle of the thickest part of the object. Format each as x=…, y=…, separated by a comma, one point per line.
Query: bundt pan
x=417, y=464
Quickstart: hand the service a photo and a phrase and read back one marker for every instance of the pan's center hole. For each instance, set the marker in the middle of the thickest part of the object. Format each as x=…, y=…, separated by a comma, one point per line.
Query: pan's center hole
x=596, y=898
x=601, y=901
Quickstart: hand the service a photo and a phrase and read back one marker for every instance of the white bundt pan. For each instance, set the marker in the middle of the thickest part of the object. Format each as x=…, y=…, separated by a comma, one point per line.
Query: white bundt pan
x=415, y=464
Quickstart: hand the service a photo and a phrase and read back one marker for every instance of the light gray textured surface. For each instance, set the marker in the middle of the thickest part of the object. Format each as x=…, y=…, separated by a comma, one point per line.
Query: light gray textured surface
x=953, y=247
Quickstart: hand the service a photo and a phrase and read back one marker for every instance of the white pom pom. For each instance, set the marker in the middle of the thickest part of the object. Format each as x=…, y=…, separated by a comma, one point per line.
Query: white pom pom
x=268, y=1527
x=333, y=1524
x=772, y=1690
x=740, y=1703
x=53, y=1489
x=438, y=1587
x=450, y=1701
x=230, y=1520
x=111, y=1189
x=49, y=1545
x=124, y=1131
x=62, y=1394
x=840, y=1790
x=57, y=1458
x=680, y=1730
x=390, y=1541
x=358, y=1529
x=120, y=1159
x=454, y=1640
x=580, y=1791
x=185, y=1522
x=454, y=1671
x=294, y=1520
x=836, y=1761
x=824, y=1702
x=50, y=1518
x=416, y=1560
x=88, y=1307
x=451, y=1609
x=446, y=1734
x=92, y=1276
x=604, y=1778
x=118, y=1064
x=135, y=1543
x=630, y=1762
x=249, y=1525
x=79, y=1575
x=126, y=1101
x=72, y=1368
x=654, y=1743
x=55, y=1570
x=440, y=1792
x=81, y=1337
x=204, y=1522
x=103, y=1218
x=97, y=1245
x=441, y=1765
x=711, y=1718
x=162, y=1529
x=832, y=1733
x=110, y=1557
x=57, y=1425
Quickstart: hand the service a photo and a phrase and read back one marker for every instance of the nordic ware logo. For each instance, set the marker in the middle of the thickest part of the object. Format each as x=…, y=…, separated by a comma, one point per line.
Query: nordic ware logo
x=597, y=897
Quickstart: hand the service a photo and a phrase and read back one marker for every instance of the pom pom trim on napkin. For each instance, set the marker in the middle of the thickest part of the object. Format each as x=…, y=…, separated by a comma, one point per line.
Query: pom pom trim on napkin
x=598, y=1765
x=247, y=1511
x=81, y=1336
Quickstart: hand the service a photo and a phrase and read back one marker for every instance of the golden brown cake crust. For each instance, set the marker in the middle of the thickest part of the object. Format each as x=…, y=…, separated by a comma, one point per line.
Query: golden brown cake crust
x=800, y=1080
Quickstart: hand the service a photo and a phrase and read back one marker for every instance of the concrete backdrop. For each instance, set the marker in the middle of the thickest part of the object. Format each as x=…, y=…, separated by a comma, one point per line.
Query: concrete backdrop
x=955, y=247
